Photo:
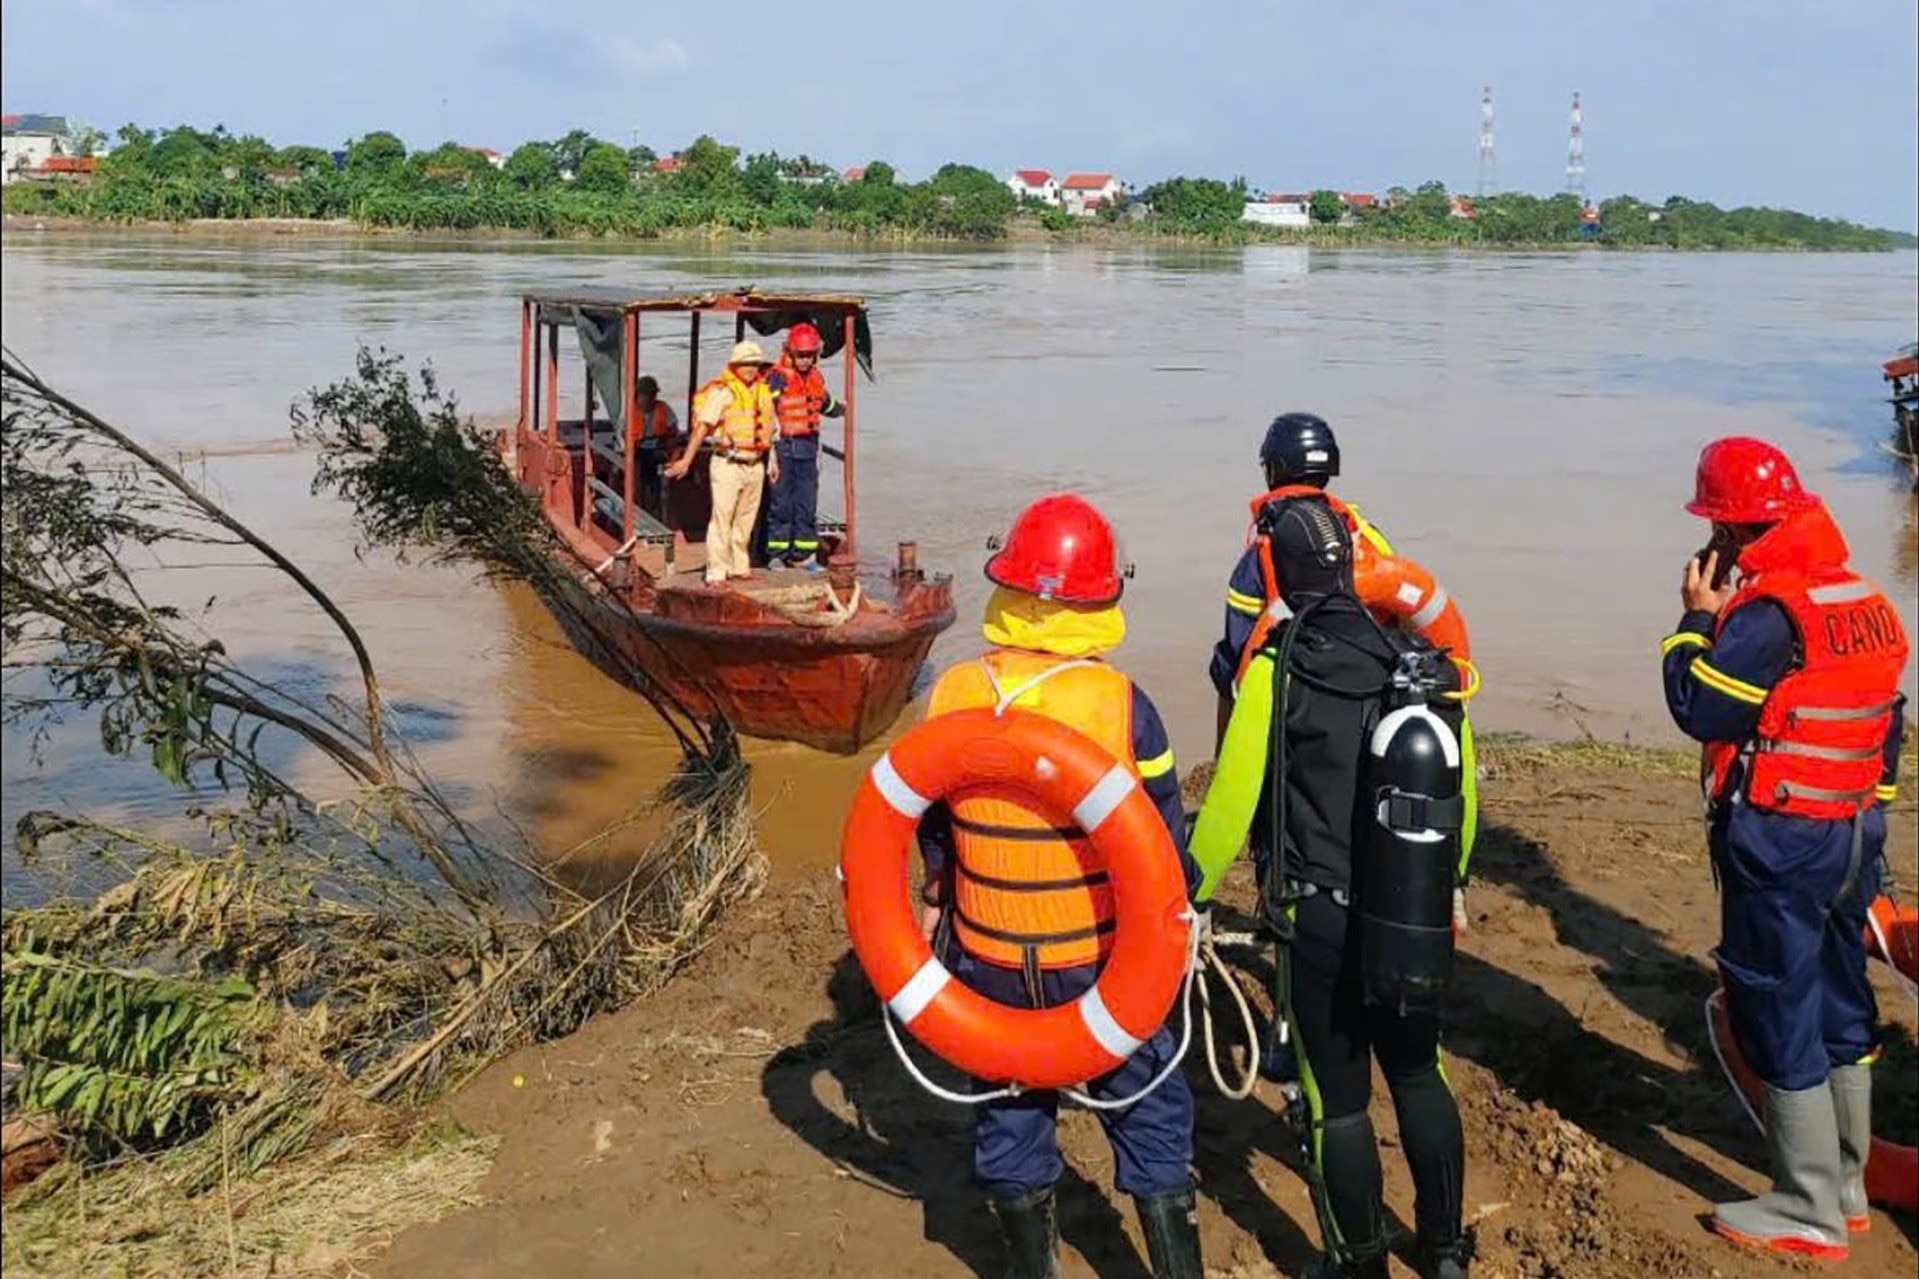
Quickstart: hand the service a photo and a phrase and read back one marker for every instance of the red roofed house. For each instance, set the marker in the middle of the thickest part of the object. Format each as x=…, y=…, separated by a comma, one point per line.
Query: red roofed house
x=28, y=141
x=1283, y=210
x=1034, y=184
x=63, y=167
x=667, y=164
x=855, y=174
x=1462, y=207
x=1084, y=194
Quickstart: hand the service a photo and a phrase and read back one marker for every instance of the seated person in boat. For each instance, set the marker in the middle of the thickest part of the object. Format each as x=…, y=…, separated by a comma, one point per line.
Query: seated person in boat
x=656, y=433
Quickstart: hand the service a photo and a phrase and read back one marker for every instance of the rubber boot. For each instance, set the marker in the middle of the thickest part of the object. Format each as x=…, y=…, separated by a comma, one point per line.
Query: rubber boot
x=1031, y=1227
x=1171, y=1225
x=1330, y=1267
x=1801, y=1212
x=1852, y=1105
x=1450, y=1259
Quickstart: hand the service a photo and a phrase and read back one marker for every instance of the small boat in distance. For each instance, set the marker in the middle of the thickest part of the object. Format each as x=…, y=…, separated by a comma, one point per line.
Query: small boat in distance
x=827, y=659
x=1902, y=374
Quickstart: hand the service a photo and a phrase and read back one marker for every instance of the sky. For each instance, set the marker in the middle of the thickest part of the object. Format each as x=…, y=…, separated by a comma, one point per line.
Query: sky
x=1808, y=104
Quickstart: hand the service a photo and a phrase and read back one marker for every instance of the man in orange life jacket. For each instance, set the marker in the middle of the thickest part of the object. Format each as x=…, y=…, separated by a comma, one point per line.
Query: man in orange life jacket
x=1791, y=679
x=737, y=409
x=1029, y=911
x=801, y=399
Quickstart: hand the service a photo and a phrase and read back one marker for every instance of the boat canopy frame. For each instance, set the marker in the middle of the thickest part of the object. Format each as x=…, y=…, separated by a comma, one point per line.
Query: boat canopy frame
x=610, y=328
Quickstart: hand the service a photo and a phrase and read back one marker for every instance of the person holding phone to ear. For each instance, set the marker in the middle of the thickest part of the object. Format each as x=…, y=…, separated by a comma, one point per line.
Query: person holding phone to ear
x=1789, y=674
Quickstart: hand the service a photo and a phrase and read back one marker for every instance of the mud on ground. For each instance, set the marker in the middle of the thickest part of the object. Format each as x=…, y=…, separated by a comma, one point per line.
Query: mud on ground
x=750, y=1120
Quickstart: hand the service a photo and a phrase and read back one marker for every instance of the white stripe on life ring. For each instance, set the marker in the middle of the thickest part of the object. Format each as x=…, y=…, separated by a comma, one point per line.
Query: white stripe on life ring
x=1434, y=606
x=1109, y=1034
x=920, y=990
x=894, y=790
x=1107, y=794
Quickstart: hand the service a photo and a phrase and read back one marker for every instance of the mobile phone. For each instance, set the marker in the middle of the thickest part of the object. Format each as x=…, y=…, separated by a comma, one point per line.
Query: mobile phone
x=1727, y=555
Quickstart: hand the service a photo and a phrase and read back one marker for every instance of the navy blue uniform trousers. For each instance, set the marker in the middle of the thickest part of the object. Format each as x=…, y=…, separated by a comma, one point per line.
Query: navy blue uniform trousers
x=1015, y=1140
x=792, y=523
x=1791, y=950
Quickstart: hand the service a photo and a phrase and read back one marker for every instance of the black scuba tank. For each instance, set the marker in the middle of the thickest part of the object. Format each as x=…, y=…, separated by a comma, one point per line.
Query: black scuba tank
x=1408, y=846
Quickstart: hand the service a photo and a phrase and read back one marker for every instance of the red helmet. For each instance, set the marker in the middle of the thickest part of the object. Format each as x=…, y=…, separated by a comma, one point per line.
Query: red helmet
x=803, y=339
x=1746, y=481
x=1060, y=548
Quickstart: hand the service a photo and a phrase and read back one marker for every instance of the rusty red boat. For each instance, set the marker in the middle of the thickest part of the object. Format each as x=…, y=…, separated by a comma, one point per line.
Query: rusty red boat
x=825, y=657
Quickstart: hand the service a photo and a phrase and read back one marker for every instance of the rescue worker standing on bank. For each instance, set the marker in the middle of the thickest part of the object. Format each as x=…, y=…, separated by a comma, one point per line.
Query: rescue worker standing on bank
x=1339, y=679
x=1028, y=908
x=736, y=408
x=800, y=399
x=1790, y=676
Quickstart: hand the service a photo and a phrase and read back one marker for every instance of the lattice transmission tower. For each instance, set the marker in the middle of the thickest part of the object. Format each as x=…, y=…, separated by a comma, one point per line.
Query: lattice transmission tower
x=1488, y=161
x=1576, y=152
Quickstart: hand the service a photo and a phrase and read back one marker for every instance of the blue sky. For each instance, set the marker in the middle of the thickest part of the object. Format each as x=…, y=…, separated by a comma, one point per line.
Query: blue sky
x=1810, y=104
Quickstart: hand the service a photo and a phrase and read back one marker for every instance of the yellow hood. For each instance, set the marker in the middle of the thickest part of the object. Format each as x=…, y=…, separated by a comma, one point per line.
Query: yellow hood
x=1015, y=619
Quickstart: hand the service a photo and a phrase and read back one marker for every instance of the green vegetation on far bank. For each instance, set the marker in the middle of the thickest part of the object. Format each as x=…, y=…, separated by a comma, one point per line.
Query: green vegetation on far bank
x=579, y=186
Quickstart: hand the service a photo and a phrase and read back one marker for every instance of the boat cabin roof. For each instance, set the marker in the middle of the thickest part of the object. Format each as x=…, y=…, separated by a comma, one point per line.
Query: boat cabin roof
x=740, y=300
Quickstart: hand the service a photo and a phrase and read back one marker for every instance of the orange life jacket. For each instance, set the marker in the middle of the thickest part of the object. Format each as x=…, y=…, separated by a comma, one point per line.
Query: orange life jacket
x=1819, y=748
x=1396, y=590
x=746, y=425
x=1028, y=890
x=802, y=397
x=655, y=424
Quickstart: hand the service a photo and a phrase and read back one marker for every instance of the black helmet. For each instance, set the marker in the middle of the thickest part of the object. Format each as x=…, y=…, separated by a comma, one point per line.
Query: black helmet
x=1298, y=447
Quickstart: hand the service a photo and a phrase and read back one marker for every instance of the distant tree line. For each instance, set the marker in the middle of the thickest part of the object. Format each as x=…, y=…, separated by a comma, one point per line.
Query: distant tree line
x=583, y=185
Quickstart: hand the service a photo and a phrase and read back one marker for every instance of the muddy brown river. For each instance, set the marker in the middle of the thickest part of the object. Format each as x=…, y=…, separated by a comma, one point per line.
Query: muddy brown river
x=1524, y=424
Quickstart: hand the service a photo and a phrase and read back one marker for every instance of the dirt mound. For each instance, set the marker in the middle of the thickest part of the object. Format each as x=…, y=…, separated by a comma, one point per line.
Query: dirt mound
x=751, y=1120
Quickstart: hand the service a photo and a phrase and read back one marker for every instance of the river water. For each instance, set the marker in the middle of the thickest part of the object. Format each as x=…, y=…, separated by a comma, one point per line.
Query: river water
x=1524, y=424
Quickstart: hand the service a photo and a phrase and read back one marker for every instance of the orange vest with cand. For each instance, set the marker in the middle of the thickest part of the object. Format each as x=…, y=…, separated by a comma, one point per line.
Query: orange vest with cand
x=746, y=424
x=1396, y=590
x=1820, y=746
x=801, y=400
x=1027, y=889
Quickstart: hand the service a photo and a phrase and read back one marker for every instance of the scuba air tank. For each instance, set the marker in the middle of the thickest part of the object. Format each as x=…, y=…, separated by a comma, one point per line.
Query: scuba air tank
x=1407, y=853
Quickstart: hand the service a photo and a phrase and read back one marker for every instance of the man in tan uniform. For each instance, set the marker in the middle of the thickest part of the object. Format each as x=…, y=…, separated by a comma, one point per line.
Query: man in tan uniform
x=737, y=409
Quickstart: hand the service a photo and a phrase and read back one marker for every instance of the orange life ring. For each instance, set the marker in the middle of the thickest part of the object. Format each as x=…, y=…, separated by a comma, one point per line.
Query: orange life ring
x=1069, y=775
x=1892, y=1170
x=1899, y=926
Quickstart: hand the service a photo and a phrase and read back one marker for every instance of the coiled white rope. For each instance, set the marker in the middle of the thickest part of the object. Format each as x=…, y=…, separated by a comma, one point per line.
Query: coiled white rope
x=1202, y=954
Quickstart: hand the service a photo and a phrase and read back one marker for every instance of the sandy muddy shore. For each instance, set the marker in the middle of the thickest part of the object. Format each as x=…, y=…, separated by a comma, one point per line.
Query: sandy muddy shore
x=751, y=1120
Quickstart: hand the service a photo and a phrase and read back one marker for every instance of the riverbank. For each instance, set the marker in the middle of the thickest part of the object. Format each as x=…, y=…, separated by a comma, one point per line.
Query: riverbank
x=1094, y=235
x=749, y=1119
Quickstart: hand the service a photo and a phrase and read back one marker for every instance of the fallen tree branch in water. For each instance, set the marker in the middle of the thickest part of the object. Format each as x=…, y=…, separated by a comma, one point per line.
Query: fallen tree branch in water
x=361, y=980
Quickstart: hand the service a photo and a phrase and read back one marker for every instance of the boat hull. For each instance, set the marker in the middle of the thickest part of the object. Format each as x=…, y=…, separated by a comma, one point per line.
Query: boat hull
x=832, y=689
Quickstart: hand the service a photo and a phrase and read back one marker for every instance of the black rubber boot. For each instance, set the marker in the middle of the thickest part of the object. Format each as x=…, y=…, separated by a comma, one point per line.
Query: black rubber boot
x=1171, y=1223
x=1448, y=1260
x=1031, y=1227
x=1330, y=1267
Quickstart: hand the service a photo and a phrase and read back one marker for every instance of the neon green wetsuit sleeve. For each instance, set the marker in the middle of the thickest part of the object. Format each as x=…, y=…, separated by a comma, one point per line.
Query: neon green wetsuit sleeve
x=1469, y=790
x=1239, y=776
